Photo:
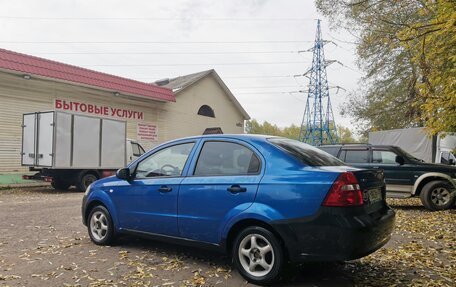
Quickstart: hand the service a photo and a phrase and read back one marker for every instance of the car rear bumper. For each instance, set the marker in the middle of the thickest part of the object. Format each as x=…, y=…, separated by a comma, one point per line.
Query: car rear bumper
x=334, y=235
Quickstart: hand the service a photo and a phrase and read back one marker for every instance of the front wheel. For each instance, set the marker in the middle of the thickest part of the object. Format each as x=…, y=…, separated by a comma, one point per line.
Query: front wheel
x=258, y=255
x=437, y=195
x=100, y=226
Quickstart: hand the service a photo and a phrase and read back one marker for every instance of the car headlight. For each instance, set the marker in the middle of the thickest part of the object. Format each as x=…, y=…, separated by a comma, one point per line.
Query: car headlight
x=88, y=189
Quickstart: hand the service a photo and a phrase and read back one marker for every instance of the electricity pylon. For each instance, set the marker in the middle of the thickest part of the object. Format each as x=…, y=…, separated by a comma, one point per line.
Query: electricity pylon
x=318, y=126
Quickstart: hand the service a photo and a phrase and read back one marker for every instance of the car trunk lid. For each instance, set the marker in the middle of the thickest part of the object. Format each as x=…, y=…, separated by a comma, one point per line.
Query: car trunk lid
x=372, y=184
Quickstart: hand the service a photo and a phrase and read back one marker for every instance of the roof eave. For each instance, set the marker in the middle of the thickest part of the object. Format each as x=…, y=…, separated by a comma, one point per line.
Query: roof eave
x=20, y=73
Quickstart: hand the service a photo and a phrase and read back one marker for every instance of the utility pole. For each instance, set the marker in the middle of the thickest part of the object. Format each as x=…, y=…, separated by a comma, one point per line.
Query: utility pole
x=318, y=126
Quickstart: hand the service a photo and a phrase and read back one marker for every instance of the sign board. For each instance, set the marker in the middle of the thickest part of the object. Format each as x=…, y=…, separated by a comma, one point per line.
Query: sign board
x=97, y=110
x=147, y=132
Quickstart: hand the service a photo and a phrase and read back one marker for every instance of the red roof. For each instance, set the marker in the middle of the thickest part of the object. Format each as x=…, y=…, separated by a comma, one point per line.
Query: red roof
x=31, y=65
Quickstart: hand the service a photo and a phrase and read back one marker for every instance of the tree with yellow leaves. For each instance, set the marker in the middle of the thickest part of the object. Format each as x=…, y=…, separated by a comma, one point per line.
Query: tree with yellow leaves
x=408, y=50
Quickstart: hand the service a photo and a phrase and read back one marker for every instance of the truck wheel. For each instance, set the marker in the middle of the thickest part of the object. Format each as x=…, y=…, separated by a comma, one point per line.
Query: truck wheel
x=85, y=180
x=60, y=184
x=437, y=195
x=258, y=255
x=100, y=226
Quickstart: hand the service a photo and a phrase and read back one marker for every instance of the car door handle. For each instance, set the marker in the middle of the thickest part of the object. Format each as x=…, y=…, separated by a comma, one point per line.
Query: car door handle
x=164, y=188
x=236, y=189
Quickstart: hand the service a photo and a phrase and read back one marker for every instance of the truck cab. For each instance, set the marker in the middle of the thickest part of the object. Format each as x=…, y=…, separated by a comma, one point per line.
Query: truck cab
x=405, y=175
x=134, y=150
x=447, y=157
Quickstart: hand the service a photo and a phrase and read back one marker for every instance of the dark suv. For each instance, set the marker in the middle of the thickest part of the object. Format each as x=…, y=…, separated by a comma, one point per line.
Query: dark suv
x=405, y=175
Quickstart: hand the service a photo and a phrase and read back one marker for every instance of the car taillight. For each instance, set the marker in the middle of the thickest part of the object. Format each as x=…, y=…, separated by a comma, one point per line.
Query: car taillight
x=345, y=191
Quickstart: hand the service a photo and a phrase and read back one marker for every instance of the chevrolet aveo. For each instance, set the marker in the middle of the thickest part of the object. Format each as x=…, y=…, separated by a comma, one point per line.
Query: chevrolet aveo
x=264, y=200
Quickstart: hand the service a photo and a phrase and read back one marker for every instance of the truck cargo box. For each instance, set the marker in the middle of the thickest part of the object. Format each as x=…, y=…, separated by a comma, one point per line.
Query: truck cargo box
x=62, y=140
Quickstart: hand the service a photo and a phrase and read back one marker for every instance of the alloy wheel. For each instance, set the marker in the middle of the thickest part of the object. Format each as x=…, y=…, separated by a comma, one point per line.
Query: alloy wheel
x=99, y=225
x=440, y=196
x=256, y=255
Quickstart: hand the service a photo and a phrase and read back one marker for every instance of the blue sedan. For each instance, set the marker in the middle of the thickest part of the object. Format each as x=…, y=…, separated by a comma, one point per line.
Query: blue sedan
x=264, y=200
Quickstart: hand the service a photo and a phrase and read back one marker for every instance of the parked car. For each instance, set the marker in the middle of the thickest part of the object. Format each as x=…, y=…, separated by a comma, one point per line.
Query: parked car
x=405, y=175
x=264, y=200
x=433, y=149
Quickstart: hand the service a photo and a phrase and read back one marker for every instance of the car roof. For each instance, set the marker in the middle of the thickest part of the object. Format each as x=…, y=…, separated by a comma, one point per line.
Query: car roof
x=351, y=145
x=245, y=137
x=228, y=136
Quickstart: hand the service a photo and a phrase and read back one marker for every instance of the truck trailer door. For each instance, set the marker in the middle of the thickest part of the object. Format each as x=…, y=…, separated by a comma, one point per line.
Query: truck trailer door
x=45, y=139
x=28, y=139
x=38, y=139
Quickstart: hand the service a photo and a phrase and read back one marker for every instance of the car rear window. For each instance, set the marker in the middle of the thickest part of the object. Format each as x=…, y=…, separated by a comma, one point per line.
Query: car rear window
x=305, y=153
x=332, y=150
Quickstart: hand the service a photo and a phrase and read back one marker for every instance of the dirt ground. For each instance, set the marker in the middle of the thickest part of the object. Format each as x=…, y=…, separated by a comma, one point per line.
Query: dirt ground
x=43, y=243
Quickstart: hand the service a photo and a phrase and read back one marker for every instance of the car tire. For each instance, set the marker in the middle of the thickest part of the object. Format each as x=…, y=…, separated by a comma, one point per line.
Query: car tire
x=85, y=180
x=60, y=184
x=100, y=226
x=258, y=255
x=437, y=195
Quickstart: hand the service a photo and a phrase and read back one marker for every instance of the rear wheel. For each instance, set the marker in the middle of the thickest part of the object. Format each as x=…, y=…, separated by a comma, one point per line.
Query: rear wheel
x=437, y=195
x=258, y=255
x=85, y=180
x=60, y=184
x=100, y=226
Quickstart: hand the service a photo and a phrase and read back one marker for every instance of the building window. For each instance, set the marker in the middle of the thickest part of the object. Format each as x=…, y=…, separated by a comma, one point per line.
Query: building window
x=206, y=111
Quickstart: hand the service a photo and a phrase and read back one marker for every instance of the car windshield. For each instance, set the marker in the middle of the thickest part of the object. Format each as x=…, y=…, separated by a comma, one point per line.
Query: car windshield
x=305, y=153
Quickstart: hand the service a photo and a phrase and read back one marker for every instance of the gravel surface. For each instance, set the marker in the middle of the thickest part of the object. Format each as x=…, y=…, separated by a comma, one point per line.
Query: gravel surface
x=43, y=243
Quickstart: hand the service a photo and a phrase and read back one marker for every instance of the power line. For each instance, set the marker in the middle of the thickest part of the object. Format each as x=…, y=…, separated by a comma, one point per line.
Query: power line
x=190, y=64
x=259, y=93
x=291, y=93
x=157, y=42
x=259, y=77
x=167, y=53
x=342, y=41
x=228, y=77
x=239, y=77
x=152, y=19
x=267, y=87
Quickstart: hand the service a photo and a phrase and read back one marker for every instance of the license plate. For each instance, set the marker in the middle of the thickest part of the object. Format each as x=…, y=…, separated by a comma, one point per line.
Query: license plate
x=375, y=195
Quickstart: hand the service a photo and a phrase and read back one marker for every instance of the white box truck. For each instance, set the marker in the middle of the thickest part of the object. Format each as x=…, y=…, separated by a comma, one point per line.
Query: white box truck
x=74, y=149
x=415, y=141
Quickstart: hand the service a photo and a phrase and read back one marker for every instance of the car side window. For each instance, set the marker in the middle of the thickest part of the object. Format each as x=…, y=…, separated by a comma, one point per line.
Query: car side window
x=342, y=155
x=384, y=156
x=226, y=158
x=169, y=161
x=356, y=156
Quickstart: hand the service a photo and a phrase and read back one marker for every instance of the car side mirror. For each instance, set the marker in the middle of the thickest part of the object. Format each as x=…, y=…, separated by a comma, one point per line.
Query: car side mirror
x=400, y=159
x=451, y=161
x=124, y=173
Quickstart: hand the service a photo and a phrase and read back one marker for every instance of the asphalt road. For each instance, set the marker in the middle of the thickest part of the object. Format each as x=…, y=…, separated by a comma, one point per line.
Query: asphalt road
x=43, y=243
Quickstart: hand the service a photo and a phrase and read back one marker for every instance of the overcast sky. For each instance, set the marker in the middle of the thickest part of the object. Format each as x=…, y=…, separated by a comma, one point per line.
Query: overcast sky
x=252, y=44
